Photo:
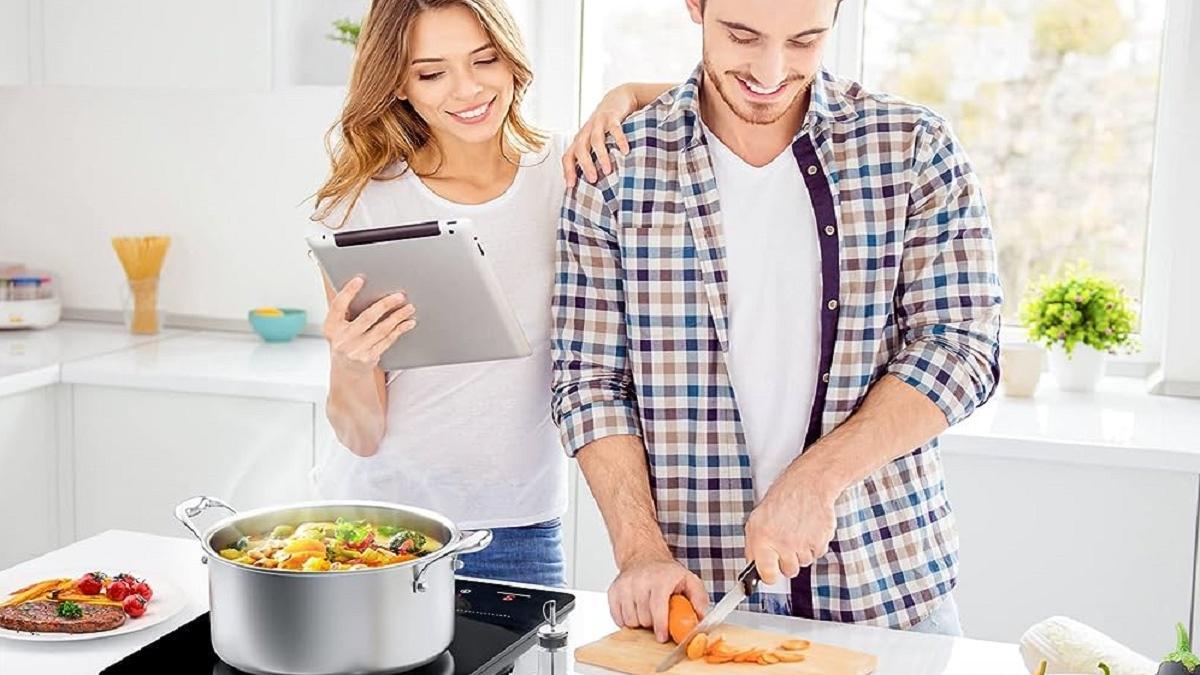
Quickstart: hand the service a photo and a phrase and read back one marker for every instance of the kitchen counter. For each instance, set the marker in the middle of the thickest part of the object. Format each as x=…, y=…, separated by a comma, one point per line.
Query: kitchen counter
x=30, y=358
x=239, y=364
x=177, y=560
x=1119, y=425
x=209, y=362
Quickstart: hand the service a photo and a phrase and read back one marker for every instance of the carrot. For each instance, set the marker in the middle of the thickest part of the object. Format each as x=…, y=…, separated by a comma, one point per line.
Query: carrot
x=795, y=645
x=726, y=649
x=681, y=618
x=698, y=647
x=748, y=656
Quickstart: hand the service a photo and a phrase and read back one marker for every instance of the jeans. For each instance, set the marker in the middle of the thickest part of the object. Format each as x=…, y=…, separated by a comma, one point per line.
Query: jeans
x=531, y=554
x=943, y=621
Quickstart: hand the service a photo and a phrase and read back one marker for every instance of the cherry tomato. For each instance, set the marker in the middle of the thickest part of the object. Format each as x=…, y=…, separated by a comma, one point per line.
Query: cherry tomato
x=127, y=578
x=143, y=589
x=91, y=583
x=118, y=591
x=134, y=605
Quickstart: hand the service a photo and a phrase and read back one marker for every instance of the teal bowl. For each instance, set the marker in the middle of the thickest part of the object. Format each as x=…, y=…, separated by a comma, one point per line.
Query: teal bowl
x=279, y=328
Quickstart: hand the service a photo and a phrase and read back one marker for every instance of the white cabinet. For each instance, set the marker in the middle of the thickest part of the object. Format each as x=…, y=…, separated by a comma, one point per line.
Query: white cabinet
x=28, y=476
x=224, y=44
x=139, y=453
x=1112, y=547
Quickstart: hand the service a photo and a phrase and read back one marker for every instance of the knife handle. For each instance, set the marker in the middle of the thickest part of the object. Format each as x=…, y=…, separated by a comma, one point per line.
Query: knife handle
x=749, y=578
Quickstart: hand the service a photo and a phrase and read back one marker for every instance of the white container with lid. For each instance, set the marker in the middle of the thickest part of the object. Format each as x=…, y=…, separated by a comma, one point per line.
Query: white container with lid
x=28, y=299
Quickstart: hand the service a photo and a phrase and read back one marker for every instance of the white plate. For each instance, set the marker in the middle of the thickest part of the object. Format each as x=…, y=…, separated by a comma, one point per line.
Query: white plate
x=168, y=601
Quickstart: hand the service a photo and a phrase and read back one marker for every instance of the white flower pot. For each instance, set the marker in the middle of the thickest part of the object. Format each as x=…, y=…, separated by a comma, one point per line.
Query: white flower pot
x=1080, y=371
x=1021, y=367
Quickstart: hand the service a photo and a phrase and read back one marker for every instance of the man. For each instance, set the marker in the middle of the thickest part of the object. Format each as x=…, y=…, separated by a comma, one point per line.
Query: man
x=786, y=286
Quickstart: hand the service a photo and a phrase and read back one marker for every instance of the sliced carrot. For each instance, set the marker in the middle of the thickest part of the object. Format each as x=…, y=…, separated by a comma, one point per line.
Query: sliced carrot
x=769, y=658
x=714, y=643
x=789, y=657
x=748, y=656
x=697, y=647
x=795, y=645
x=713, y=658
x=726, y=649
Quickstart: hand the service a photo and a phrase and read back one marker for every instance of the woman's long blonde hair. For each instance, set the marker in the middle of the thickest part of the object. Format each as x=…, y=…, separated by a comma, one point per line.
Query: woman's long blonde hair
x=377, y=129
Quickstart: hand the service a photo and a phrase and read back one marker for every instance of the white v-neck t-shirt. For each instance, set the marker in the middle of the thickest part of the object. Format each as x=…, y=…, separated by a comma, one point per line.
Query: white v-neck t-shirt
x=474, y=442
x=773, y=259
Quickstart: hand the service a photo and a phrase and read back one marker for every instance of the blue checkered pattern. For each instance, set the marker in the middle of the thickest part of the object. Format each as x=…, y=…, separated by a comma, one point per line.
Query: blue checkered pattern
x=641, y=332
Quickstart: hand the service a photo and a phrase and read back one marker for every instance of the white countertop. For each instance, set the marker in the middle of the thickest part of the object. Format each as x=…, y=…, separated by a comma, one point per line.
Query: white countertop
x=212, y=362
x=32, y=358
x=177, y=561
x=1118, y=425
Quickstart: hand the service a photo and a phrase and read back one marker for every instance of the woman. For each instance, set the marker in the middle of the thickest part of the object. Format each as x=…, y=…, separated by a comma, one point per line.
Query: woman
x=432, y=128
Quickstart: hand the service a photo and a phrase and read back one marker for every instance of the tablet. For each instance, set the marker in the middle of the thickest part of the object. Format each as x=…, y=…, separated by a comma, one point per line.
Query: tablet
x=463, y=315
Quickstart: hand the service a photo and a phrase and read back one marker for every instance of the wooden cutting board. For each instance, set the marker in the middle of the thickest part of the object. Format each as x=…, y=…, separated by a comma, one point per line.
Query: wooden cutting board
x=638, y=653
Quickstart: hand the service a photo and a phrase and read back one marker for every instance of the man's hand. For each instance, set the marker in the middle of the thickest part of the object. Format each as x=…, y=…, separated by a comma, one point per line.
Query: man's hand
x=641, y=593
x=792, y=526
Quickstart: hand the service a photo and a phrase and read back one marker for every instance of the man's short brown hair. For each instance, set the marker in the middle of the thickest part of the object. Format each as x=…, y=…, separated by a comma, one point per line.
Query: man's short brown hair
x=835, y=11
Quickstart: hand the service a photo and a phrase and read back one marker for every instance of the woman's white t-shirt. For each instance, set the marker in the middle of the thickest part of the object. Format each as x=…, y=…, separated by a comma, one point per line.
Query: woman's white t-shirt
x=474, y=442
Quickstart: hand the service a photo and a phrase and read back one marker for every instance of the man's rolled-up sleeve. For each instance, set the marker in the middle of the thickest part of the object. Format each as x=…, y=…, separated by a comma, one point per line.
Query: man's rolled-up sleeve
x=593, y=388
x=948, y=296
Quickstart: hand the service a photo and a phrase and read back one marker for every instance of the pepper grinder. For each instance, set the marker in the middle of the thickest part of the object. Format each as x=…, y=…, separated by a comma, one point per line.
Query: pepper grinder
x=552, y=643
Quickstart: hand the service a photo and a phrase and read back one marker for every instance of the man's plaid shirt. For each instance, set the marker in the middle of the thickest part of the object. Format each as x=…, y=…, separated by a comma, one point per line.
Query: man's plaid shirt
x=910, y=286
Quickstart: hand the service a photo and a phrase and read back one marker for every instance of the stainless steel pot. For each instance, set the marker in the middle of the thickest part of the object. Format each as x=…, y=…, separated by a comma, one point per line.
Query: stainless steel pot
x=379, y=620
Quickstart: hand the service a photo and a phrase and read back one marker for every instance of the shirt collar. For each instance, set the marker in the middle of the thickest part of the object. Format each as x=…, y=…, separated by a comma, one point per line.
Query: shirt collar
x=826, y=104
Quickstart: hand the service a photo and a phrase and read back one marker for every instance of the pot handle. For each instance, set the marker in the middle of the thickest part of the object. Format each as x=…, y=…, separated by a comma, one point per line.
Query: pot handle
x=190, y=508
x=473, y=542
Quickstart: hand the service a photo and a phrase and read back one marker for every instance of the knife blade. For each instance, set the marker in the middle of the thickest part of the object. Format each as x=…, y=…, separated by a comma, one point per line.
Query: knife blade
x=747, y=581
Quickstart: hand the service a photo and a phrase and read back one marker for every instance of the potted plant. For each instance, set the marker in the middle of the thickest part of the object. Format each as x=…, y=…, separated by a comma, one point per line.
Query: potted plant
x=1080, y=317
x=346, y=32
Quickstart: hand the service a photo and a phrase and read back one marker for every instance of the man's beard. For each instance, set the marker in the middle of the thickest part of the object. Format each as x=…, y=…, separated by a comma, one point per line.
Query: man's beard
x=758, y=113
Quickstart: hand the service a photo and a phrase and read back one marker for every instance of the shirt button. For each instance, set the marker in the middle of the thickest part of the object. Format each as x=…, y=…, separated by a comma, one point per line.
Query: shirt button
x=825, y=378
x=812, y=169
x=829, y=230
x=832, y=304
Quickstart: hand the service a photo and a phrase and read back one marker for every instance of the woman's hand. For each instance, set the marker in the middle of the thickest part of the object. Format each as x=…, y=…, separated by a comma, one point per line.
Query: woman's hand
x=607, y=119
x=357, y=345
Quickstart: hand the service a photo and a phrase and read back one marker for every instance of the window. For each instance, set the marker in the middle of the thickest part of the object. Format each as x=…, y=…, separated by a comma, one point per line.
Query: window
x=1054, y=101
x=635, y=41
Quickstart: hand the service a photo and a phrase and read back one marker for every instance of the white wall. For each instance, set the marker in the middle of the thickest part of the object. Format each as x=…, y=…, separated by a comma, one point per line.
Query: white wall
x=225, y=174
x=114, y=139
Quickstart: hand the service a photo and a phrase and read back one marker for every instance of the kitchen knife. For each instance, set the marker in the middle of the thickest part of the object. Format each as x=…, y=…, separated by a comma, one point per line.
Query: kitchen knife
x=747, y=581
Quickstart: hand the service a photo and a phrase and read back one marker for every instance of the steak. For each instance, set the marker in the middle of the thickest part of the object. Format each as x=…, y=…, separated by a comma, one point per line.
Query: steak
x=41, y=616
